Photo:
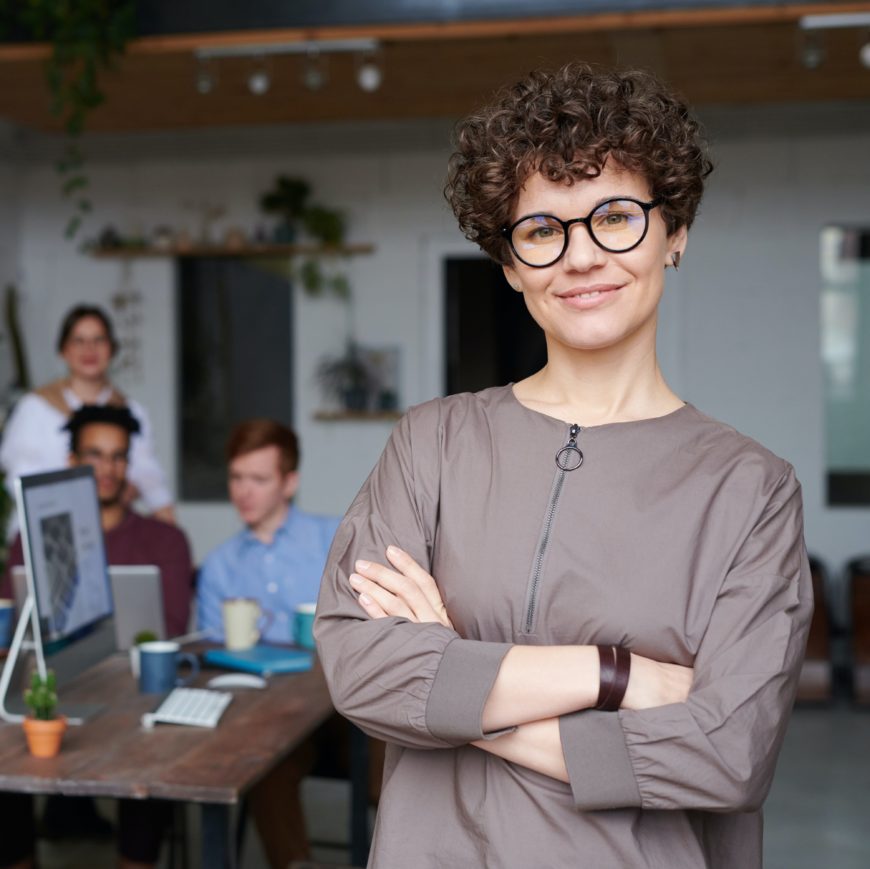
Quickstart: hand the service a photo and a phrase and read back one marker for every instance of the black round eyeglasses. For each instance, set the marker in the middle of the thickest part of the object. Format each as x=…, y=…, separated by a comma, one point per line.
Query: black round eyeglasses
x=617, y=226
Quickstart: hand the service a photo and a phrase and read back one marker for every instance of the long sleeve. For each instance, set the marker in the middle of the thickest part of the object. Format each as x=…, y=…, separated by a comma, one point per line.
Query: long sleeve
x=145, y=472
x=718, y=750
x=417, y=685
x=210, y=591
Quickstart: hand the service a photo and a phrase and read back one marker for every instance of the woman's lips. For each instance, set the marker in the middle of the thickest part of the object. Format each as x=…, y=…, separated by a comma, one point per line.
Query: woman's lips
x=583, y=298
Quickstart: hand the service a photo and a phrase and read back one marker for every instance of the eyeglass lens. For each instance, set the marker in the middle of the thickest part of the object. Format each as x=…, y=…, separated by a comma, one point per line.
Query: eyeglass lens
x=617, y=225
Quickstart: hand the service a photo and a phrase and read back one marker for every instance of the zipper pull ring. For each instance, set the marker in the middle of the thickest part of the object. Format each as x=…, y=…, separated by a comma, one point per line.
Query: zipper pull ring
x=569, y=458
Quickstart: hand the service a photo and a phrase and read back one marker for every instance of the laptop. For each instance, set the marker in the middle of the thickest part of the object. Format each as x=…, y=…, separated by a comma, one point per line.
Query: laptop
x=138, y=597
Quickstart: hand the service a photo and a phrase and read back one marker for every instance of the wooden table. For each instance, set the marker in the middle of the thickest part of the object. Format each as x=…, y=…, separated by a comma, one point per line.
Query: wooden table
x=111, y=755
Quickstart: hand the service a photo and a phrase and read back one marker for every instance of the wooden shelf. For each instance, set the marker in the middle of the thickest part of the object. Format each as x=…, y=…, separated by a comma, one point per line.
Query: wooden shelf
x=248, y=252
x=357, y=415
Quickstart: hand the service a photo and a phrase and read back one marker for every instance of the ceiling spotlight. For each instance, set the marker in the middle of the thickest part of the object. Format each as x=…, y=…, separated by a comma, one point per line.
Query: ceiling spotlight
x=206, y=77
x=369, y=74
x=259, y=80
x=314, y=73
x=813, y=51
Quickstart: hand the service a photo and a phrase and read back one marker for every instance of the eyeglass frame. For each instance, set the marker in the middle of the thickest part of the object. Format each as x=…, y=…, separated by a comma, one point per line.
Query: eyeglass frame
x=646, y=207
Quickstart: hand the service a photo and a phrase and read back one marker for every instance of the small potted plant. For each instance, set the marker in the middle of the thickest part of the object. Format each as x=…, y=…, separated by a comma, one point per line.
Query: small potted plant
x=286, y=199
x=43, y=729
x=141, y=637
x=347, y=379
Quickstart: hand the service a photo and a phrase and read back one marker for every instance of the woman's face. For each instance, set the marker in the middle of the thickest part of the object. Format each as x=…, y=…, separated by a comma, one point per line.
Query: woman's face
x=591, y=299
x=87, y=350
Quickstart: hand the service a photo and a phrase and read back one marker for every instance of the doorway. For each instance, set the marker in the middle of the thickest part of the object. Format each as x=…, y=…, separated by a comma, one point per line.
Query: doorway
x=490, y=338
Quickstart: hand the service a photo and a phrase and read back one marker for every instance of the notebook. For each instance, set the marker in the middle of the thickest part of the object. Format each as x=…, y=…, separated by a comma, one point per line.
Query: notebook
x=260, y=659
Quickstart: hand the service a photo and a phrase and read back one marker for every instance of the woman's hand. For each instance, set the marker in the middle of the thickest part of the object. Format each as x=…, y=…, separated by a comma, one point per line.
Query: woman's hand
x=653, y=683
x=407, y=591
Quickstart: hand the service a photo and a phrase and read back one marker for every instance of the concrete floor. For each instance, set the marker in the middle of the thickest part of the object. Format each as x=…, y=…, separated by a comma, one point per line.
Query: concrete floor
x=817, y=815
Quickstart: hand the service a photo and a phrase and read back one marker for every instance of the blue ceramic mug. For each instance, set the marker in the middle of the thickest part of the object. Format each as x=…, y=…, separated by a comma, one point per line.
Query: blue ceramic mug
x=158, y=667
x=303, y=625
x=7, y=622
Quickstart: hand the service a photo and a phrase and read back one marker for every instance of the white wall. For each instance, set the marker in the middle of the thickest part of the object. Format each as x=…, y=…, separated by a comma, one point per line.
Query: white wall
x=742, y=330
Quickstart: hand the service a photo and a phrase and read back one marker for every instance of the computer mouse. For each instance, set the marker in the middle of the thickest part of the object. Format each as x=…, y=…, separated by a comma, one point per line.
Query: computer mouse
x=237, y=680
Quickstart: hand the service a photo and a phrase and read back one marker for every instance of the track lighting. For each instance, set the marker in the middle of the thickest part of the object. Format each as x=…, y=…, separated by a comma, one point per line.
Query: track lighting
x=206, y=77
x=314, y=73
x=369, y=74
x=837, y=21
x=813, y=51
x=315, y=64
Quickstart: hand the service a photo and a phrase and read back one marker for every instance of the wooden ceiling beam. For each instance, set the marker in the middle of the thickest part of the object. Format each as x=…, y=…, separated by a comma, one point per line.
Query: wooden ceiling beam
x=459, y=30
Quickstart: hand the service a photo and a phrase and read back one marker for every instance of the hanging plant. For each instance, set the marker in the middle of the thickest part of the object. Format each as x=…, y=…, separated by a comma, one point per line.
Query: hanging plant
x=86, y=37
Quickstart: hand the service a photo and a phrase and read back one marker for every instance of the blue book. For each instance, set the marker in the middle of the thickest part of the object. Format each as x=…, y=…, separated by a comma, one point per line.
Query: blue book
x=263, y=660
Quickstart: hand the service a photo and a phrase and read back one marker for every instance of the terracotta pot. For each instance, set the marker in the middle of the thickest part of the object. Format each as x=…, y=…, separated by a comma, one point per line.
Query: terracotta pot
x=44, y=737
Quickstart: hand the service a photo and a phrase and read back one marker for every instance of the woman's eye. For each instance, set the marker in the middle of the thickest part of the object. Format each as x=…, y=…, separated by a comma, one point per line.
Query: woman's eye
x=544, y=232
x=613, y=218
x=540, y=233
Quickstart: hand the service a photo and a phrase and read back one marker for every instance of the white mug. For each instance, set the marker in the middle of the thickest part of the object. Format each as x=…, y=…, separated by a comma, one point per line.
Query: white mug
x=242, y=627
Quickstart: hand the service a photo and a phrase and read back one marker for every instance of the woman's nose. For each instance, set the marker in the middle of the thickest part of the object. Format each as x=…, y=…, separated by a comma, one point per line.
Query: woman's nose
x=582, y=253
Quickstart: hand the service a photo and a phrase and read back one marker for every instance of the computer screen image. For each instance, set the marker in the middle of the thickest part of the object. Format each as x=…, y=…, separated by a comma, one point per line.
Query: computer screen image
x=64, y=550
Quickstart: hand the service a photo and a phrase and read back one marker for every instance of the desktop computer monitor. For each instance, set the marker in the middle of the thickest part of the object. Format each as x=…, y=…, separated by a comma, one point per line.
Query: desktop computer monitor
x=64, y=553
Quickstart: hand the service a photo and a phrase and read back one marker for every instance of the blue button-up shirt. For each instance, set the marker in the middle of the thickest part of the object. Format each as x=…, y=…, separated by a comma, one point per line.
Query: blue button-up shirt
x=280, y=575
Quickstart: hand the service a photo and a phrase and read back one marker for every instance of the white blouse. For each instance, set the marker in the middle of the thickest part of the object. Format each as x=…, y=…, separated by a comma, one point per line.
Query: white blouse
x=34, y=441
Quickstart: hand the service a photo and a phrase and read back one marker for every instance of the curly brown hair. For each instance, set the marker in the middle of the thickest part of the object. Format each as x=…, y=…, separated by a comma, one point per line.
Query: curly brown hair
x=565, y=125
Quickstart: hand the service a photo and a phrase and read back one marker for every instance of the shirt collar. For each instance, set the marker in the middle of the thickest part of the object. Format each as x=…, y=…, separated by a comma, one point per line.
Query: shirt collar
x=283, y=530
x=74, y=402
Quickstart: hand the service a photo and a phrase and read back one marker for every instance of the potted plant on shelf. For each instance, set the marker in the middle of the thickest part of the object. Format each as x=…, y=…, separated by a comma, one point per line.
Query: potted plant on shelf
x=321, y=272
x=287, y=199
x=43, y=729
x=347, y=379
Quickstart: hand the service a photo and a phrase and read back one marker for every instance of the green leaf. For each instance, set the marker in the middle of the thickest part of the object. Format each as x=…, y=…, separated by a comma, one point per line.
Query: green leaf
x=77, y=182
x=72, y=227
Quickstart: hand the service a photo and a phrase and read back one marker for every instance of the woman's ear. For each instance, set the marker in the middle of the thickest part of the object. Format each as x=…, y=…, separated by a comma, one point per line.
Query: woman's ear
x=510, y=275
x=676, y=247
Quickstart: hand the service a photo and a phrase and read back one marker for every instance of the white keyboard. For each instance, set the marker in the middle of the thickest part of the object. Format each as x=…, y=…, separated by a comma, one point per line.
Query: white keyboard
x=197, y=707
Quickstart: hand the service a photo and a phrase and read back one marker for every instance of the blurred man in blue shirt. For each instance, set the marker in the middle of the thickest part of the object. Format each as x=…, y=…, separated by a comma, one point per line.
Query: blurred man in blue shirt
x=278, y=558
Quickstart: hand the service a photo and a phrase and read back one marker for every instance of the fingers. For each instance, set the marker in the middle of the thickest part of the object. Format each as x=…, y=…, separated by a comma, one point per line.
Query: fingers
x=377, y=601
x=425, y=582
x=373, y=609
x=403, y=587
x=408, y=591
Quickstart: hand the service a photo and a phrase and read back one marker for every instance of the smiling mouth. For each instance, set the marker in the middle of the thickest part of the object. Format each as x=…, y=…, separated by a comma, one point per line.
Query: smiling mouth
x=590, y=294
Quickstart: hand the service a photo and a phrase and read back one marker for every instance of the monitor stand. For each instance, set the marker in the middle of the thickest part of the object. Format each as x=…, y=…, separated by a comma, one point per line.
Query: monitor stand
x=21, y=644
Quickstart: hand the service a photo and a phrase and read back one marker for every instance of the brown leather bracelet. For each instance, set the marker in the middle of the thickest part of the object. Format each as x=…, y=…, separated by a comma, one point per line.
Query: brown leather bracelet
x=615, y=666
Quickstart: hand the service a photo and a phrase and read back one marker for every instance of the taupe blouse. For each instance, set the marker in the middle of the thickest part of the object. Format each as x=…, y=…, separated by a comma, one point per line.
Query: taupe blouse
x=676, y=536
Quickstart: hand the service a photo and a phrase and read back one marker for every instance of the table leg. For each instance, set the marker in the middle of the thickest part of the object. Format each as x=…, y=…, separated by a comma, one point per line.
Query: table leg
x=359, y=797
x=218, y=843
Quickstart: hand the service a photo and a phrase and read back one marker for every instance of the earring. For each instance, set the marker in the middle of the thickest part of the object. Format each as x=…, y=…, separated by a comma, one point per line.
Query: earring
x=675, y=259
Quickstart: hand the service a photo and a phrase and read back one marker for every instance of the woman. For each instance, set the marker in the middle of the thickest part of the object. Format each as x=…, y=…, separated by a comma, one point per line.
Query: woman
x=585, y=506
x=34, y=439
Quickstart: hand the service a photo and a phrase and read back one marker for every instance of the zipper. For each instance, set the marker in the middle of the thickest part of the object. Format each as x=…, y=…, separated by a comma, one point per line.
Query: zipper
x=568, y=459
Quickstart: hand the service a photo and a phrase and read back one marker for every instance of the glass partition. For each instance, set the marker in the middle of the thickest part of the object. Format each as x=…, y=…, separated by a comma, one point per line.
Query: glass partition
x=845, y=322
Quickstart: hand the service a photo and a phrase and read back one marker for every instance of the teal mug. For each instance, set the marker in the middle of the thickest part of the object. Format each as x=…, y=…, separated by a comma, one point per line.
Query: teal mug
x=303, y=625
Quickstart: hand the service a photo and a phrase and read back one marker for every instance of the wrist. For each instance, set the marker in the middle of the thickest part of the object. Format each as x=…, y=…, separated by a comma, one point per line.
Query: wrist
x=614, y=672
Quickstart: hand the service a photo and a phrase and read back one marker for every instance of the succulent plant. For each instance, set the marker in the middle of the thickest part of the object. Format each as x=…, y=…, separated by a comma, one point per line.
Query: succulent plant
x=41, y=696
